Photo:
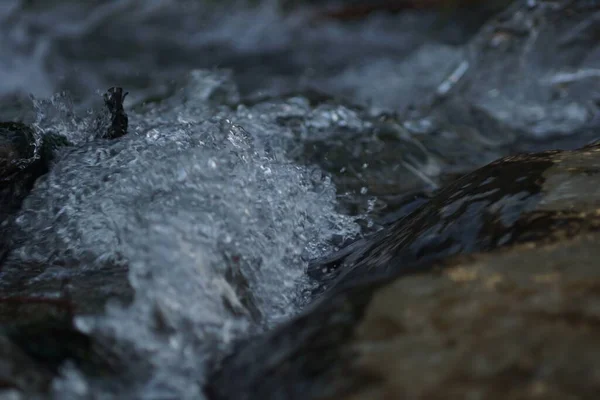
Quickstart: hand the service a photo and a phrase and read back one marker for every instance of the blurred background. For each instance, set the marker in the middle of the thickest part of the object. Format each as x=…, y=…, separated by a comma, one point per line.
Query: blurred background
x=467, y=80
x=386, y=54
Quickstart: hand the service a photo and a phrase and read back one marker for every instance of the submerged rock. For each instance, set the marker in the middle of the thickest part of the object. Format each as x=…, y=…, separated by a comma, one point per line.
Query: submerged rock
x=26, y=155
x=20, y=165
x=37, y=336
x=411, y=317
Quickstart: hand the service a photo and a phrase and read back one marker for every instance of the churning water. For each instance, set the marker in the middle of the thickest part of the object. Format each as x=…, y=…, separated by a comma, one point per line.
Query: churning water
x=200, y=202
x=215, y=224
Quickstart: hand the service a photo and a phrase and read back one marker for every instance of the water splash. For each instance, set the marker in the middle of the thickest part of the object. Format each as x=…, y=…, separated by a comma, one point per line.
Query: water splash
x=212, y=220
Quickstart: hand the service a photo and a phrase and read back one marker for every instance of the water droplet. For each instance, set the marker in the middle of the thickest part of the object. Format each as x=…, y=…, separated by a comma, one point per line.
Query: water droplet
x=181, y=175
x=371, y=204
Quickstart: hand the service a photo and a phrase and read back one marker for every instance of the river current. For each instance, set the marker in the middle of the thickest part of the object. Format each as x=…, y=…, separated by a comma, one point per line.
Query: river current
x=217, y=199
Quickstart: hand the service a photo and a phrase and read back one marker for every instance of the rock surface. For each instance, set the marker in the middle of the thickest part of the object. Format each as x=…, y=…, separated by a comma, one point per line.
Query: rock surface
x=19, y=165
x=503, y=203
x=519, y=321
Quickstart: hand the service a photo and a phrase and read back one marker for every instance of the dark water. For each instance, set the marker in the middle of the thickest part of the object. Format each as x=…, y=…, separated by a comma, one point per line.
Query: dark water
x=259, y=139
x=145, y=45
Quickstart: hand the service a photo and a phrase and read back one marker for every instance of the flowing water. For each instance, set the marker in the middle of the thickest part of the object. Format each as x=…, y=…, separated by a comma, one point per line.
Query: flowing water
x=231, y=177
x=213, y=221
x=49, y=46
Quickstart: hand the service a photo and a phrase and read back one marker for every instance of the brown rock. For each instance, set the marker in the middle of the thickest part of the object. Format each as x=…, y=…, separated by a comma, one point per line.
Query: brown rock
x=520, y=321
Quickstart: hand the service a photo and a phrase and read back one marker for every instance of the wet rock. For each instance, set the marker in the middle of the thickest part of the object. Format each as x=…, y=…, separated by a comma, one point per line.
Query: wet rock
x=500, y=204
x=119, y=122
x=38, y=335
x=377, y=163
x=517, y=323
x=39, y=338
x=89, y=294
x=52, y=340
x=33, y=352
x=25, y=155
x=18, y=372
x=489, y=290
x=20, y=165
